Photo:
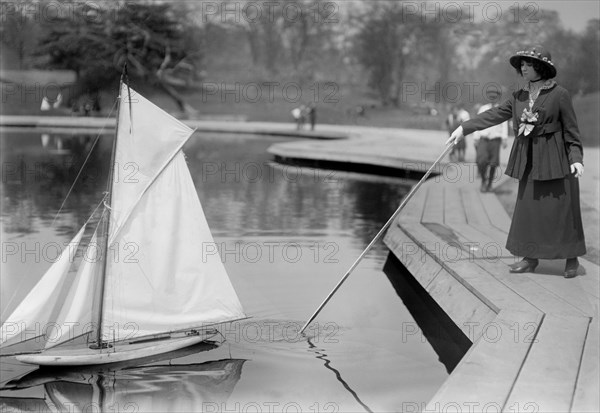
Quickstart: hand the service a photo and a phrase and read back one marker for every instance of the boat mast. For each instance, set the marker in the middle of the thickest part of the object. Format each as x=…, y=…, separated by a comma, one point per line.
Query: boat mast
x=98, y=344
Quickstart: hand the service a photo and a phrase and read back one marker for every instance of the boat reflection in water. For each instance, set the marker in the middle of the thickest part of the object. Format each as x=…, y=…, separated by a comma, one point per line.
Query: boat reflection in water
x=161, y=386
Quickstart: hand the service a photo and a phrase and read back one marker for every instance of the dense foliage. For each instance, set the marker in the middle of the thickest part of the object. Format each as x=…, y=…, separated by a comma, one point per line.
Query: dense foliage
x=387, y=45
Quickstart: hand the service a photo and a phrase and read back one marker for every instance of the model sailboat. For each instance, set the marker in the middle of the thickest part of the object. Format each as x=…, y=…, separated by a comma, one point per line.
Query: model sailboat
x=160, y=293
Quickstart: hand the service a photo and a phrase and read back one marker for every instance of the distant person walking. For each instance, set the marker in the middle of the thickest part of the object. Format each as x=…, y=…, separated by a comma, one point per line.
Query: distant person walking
x=487, y=144
x=298, y=115
x=546, y=158
x=312, y=115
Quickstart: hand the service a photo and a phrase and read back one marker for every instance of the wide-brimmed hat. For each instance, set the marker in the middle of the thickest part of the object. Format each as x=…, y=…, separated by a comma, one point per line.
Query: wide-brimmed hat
x=538, y=53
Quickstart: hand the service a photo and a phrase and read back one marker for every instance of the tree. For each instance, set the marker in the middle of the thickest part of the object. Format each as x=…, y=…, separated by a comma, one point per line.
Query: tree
x=262, y=24
x=393, y=39
x=307, y=31
x=283, y=37
x=589, y=56
x=95, y=42
x=378, y=47
x=18, y=31
x=496, y=41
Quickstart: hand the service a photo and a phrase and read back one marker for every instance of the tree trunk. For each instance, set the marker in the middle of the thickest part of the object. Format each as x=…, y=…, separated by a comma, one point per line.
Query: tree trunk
x=253, y=35
x=271, y=47
x=186, y=109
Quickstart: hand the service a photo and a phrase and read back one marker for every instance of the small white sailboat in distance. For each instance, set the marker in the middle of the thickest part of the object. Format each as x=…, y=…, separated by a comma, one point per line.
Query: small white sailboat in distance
x=165, y=296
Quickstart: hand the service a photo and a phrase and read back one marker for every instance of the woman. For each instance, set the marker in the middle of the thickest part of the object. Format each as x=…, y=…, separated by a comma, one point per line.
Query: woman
x=546, y=158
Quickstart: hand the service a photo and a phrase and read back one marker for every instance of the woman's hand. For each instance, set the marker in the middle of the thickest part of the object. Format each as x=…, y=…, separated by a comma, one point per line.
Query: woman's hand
x=577, y=169
x=456, y=136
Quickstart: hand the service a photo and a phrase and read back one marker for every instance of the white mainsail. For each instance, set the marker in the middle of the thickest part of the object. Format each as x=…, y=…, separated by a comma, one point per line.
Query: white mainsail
x=35, y=313
x=159, y=279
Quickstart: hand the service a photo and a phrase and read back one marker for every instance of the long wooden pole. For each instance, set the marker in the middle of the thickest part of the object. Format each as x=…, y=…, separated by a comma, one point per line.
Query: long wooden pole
x=379, y=234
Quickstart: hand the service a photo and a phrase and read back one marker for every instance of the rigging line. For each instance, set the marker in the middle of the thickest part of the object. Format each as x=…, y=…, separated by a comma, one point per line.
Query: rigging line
x=3, y=346
x=338, y=375
x=70, y=339
x=13, y=297
x=96, y=209
x=82, y=166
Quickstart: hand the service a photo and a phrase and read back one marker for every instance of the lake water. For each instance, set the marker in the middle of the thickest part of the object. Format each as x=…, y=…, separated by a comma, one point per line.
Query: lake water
x=286, y=235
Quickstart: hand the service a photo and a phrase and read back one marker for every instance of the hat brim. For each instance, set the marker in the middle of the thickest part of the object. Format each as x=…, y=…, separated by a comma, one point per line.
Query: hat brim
x=515, y=61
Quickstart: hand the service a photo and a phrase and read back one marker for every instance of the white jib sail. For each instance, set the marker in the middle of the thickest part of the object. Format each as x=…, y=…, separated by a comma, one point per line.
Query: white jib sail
x=34, y=315
x=75, y=317
x=163, y=273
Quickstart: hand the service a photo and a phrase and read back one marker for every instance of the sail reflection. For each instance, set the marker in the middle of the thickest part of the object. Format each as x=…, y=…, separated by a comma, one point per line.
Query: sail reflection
x=157, y=387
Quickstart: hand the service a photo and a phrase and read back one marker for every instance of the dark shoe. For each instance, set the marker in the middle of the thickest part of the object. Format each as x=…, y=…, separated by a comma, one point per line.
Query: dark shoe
x=571, y=268
x=483, y=187
x=488, y=188
x=525, y=265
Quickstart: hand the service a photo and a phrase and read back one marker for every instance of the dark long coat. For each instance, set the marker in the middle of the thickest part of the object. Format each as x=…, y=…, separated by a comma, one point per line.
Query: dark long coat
x=546, y=221
x=555, y=139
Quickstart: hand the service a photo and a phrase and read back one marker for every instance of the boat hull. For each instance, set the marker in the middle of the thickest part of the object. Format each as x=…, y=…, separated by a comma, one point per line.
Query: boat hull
x=126, y=352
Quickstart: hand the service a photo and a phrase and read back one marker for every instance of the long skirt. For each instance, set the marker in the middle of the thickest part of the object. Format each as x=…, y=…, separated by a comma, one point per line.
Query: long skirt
x=547, y=220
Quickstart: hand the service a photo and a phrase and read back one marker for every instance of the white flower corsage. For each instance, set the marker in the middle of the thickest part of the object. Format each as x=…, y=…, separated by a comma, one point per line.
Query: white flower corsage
x=528, y=121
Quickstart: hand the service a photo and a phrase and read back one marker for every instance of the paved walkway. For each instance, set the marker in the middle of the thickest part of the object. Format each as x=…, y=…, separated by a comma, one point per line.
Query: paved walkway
x=260, y=128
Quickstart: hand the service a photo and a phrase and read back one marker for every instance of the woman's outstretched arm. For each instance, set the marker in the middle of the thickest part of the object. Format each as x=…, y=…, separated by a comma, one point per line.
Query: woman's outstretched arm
x=484, y=120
